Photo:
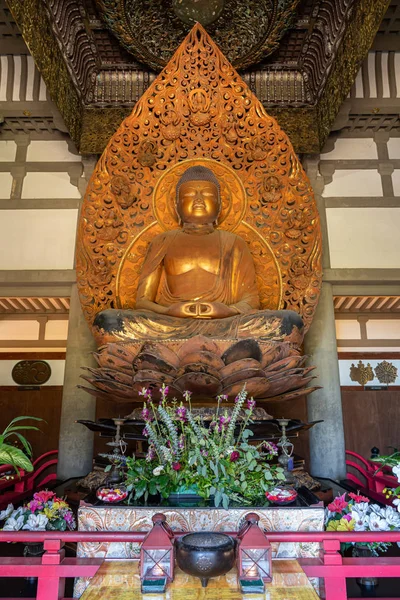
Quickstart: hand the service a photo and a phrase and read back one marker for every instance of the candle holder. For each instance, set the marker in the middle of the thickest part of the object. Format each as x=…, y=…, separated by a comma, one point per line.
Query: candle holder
x=254, y=557
x=157, y=557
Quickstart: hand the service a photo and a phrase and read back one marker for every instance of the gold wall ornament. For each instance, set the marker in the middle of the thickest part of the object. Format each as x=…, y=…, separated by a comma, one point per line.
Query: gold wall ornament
x=266, y=196
x=386, y=372
x=361, y=373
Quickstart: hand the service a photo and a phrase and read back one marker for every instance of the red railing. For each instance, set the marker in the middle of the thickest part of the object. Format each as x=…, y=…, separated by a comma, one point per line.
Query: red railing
x=53, y=568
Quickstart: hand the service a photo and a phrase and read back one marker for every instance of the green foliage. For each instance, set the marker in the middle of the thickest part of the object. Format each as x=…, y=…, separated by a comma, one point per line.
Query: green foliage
x=185, y=454
x=11, y=455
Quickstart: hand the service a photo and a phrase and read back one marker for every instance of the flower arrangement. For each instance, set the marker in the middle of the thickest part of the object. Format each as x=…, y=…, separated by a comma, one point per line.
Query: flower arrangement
x=392, y=461
x=184, y=454
x=355, y=513
x=44, y=512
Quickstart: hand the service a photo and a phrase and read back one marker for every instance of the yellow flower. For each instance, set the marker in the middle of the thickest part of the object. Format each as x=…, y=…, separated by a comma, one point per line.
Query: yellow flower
x=345, y=525
x=50, y=513
x=332, y=525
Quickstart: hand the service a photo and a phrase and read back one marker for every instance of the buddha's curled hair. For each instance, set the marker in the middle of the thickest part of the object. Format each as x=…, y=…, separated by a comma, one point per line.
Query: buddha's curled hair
x=198, y=173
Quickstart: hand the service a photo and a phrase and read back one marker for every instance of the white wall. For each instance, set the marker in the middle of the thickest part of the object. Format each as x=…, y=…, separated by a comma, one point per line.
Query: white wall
x=364, y=237
x=37, y=239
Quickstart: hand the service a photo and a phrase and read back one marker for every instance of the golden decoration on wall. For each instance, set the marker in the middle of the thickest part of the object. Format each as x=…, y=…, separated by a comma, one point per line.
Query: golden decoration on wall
x=199, y=111
x=386, y=372
x=361, y=373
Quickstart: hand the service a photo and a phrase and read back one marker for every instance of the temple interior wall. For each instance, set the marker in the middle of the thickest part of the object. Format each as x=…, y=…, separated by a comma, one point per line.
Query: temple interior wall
x=42, y=180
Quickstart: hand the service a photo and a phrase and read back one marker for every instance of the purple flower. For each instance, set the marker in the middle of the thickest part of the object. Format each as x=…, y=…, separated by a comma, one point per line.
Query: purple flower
x=146, y=393
x=270, y=448
x=234, y=456
x=176, y=466
x=145, y=432
x=251, y=403
x=151, y=454
x=69, y=517
x=181, y=413
x=348, y=517
x=204, y=453
x=223, y=422
x=181, y=442
x=146, y=414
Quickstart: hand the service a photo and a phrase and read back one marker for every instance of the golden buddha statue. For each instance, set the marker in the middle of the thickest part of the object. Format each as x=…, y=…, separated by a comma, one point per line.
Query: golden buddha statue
x=198, y=280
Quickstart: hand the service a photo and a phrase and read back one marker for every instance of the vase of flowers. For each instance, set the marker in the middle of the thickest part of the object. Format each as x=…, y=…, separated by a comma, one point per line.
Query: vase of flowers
x=353, y=512
x=217, y=462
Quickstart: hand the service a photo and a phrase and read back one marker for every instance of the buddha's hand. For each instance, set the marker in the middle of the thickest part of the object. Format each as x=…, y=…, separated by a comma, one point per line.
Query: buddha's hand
x=215, y=310
x=183, y=310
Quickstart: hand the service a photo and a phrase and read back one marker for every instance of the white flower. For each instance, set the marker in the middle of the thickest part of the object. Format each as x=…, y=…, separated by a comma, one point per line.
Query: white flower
x=378, y=510
x=376, y=523
x=362, y=507
x=361, y=519
x=396, y=471
x=158, y=470
x=396, y=502
x=20, y=511
x=4, y=514
x=13, y=524
x=392, y=517
x=36, y=523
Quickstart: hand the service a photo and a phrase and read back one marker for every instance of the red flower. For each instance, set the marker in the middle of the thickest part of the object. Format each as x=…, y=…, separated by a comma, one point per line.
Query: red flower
x=339, y=504
x=234, y=456
x=44, y=496
x=176, y=466
x=358, y=498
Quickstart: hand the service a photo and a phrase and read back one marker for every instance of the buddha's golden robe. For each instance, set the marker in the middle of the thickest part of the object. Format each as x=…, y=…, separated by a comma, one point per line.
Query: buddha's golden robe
x=234, y=284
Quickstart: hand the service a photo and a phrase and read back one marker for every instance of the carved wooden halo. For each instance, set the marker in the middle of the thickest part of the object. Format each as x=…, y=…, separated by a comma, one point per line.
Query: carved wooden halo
x=234, y=206
x=233, y=195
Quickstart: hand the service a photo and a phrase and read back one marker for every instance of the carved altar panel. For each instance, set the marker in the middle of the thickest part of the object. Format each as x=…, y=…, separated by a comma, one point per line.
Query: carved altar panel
x=199, y=111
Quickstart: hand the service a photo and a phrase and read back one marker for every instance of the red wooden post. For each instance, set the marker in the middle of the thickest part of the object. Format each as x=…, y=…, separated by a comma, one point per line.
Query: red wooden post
x=335, y=587
x=53, y=587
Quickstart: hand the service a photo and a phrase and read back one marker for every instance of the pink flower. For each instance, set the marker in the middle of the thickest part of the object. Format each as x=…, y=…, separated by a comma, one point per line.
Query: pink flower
x=151, y=454
x=35, y=505
x=223, y=422
x=44, y=496
x=338, y=505
x=234, y=456
x=145, y=432
x=146, y=415
x=146, y=393
x=270, y=448
x=347, y=517
x=358, y=498
x=69, y=517
x=176, y=466
x=181, y=413
x=251, y=403
x=204, y=453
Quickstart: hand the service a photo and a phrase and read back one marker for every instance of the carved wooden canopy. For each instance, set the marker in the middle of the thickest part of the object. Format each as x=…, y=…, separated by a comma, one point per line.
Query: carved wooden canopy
x=199, y=110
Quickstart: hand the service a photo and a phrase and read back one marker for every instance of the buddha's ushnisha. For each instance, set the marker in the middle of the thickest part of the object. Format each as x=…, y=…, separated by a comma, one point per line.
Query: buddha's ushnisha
x=198, y=279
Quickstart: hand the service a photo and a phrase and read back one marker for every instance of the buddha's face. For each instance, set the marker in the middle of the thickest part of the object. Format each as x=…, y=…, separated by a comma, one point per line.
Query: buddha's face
x=198, y=202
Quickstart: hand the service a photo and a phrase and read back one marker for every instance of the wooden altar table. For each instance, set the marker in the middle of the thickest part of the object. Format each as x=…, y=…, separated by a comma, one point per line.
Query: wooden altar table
x=120, y=580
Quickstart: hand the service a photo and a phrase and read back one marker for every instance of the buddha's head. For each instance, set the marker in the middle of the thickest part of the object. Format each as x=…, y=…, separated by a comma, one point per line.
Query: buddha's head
x=198, y=196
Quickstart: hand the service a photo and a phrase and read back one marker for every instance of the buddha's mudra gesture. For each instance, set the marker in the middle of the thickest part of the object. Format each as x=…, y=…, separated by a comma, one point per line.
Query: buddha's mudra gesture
x=198, y=279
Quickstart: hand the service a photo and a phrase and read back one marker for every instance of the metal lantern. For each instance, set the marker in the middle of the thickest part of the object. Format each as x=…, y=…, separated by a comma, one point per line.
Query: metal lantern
x=157, y=556
x=254, y=556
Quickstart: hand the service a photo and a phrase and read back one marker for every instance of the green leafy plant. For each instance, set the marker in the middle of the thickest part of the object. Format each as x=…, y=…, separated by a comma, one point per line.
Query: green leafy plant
x=214, y=461
x=11, y=455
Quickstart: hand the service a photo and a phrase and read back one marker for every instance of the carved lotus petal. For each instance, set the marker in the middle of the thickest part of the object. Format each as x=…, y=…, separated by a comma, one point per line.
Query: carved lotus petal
x=145, y=360
x=242, y=375
x=203, y=357
x=201, y=384
x=246, y=363
x=162, y=351
x=256, y=387
x=199, y=343
x=242, y=349
x=105, y=360
x=198, y=368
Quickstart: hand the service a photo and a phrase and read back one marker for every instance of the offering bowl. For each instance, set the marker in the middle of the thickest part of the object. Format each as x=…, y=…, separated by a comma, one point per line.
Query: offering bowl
x=205, y=554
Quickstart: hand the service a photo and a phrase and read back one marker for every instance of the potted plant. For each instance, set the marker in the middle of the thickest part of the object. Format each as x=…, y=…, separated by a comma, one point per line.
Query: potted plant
x=212, y=462
x=10, y=454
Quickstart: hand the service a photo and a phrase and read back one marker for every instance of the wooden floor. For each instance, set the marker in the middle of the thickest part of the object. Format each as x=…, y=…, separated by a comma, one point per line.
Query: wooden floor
x=119, y=580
